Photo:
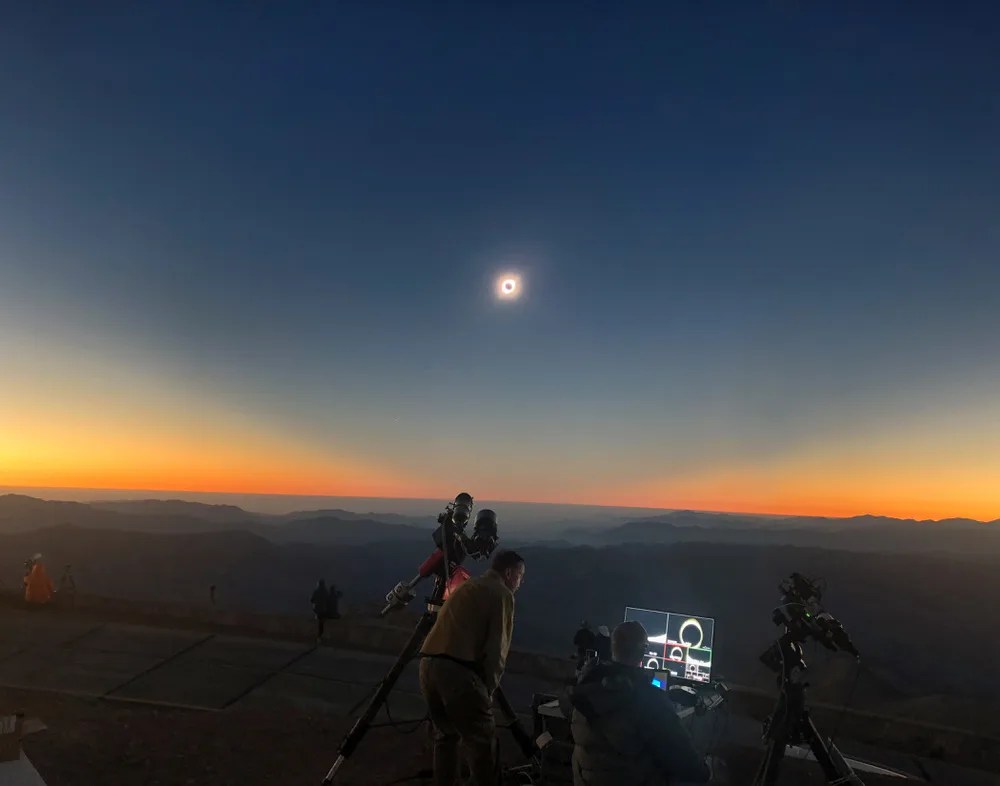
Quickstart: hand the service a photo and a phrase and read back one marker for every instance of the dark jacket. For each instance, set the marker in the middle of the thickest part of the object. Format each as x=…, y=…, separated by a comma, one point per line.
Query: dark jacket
x=627, y=732
x=603, y=646
x=583, y=640
x=333, y=601
x=320, y=600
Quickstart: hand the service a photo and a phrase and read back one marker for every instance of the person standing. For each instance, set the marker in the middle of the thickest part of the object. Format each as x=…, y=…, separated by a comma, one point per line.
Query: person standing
x=333, y=603
x=67, y=588
x=583, y=641
x=320, y=603
x=463, y=659
x=602, y=643
x=38, y=587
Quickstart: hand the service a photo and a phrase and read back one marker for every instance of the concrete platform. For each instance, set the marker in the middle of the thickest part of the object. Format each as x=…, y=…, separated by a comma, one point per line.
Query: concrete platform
x=159, y=666
x=49, y=651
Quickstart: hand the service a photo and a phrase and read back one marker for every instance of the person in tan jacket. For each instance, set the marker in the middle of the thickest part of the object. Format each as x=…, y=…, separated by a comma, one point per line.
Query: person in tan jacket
x=463, y=659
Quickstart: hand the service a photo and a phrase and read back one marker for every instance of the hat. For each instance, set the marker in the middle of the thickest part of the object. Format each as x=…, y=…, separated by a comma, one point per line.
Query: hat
x=603, y=630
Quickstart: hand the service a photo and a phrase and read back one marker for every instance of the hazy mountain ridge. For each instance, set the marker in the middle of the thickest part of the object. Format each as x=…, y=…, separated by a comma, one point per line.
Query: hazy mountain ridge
x=20, y=513
x=856, y=533
x=177, y=507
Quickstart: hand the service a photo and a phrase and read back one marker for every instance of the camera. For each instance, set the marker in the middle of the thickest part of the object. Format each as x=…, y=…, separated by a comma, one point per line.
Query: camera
x=801, y=613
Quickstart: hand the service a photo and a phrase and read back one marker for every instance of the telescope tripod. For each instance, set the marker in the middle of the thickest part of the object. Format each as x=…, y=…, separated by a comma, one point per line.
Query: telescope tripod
x=409, y=652
x=790, y=724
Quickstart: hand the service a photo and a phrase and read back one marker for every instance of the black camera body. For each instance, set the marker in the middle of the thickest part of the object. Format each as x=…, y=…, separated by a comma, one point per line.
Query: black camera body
x=803, y=617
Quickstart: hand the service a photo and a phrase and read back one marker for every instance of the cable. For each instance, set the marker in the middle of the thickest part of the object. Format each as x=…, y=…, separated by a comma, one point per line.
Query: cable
x=372, y=691
x=395, y=725
x=423, y=775
x=850, y=700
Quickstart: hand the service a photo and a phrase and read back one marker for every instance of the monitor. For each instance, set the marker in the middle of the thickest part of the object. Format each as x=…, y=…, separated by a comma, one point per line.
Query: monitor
x=680, y=644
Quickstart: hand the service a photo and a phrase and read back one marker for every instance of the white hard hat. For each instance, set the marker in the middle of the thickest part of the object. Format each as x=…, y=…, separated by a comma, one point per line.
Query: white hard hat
x=603, y=630
x=37, y=557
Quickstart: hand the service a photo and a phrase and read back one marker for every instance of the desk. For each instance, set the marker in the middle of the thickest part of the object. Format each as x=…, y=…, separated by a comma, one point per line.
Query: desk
x=550, y=709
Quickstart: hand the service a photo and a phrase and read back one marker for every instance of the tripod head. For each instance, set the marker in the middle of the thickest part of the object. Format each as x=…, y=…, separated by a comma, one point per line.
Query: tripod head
x=452, y=546
x=803, y=617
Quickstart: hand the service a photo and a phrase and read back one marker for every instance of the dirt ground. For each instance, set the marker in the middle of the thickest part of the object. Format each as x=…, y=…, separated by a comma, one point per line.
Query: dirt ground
x=93, y=741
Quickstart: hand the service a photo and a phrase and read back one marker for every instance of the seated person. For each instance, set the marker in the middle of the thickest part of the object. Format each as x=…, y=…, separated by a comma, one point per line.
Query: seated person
x=625, y=730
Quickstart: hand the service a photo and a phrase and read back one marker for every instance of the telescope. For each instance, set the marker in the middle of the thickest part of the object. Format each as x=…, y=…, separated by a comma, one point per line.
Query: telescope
x=452, y=546
x=803, y=617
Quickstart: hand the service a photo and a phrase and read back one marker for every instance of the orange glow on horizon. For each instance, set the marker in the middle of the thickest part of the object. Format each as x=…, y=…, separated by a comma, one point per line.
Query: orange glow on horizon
x=311, y=485
x=117, y=429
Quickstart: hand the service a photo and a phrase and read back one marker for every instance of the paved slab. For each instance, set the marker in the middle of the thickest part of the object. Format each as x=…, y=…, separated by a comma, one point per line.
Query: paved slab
x=305, y=692
x=73, y=670
x=24, y=629
x=212, y=674
x=368, y=669
x=209, y=686
x=139, y=640
x=246, y=652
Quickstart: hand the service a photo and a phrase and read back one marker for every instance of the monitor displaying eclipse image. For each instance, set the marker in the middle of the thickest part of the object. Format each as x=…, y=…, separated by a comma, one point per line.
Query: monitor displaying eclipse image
x=680, y=644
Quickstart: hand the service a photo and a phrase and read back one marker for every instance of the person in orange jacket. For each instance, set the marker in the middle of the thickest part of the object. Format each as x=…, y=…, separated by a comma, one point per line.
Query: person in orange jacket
x=38, y=587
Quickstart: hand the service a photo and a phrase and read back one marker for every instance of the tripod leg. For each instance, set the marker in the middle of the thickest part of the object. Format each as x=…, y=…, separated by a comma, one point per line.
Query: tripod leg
x=767, y=773
x=523, y=739
x=830, y=759
x=363, y=723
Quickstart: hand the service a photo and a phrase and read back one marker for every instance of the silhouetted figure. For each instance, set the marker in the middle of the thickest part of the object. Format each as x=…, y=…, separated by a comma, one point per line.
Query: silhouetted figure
x=67, y=588
x=602, y=643
x=211, y=594
x=38, y=589
x=583, y=641
x=321, y=604
x=333, y=603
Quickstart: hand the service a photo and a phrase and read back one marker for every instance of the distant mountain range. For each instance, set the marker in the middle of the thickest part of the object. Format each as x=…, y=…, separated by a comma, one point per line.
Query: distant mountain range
x=857, y=533
x=342, y=527
x=20, y=513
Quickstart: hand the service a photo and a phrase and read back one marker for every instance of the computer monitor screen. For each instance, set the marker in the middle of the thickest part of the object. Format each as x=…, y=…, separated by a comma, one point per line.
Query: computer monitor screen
x=680, y=644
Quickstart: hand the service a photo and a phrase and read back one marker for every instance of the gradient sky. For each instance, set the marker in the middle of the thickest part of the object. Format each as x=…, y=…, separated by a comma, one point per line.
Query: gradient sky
x=250, y=248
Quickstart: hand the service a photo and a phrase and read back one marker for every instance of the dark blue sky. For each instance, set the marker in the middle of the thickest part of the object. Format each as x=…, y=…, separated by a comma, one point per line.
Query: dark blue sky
x=745, y=230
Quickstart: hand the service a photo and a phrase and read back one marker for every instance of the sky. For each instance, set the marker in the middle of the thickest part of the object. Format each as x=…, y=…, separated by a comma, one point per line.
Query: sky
x=254, y=248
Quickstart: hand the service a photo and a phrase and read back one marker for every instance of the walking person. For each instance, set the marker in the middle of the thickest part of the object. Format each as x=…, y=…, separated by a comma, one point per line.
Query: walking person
x=320, y=603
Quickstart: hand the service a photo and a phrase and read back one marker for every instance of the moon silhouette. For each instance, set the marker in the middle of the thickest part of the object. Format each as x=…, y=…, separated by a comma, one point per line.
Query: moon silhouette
x=509, y=287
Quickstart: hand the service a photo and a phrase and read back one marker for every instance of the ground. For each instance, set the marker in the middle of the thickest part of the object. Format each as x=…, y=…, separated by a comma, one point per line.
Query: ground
x=134, y=745
x=115, y=744
x=137, y=705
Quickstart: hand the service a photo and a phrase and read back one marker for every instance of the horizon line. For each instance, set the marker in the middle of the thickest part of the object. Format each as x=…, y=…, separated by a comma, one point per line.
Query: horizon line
x=504, y=501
